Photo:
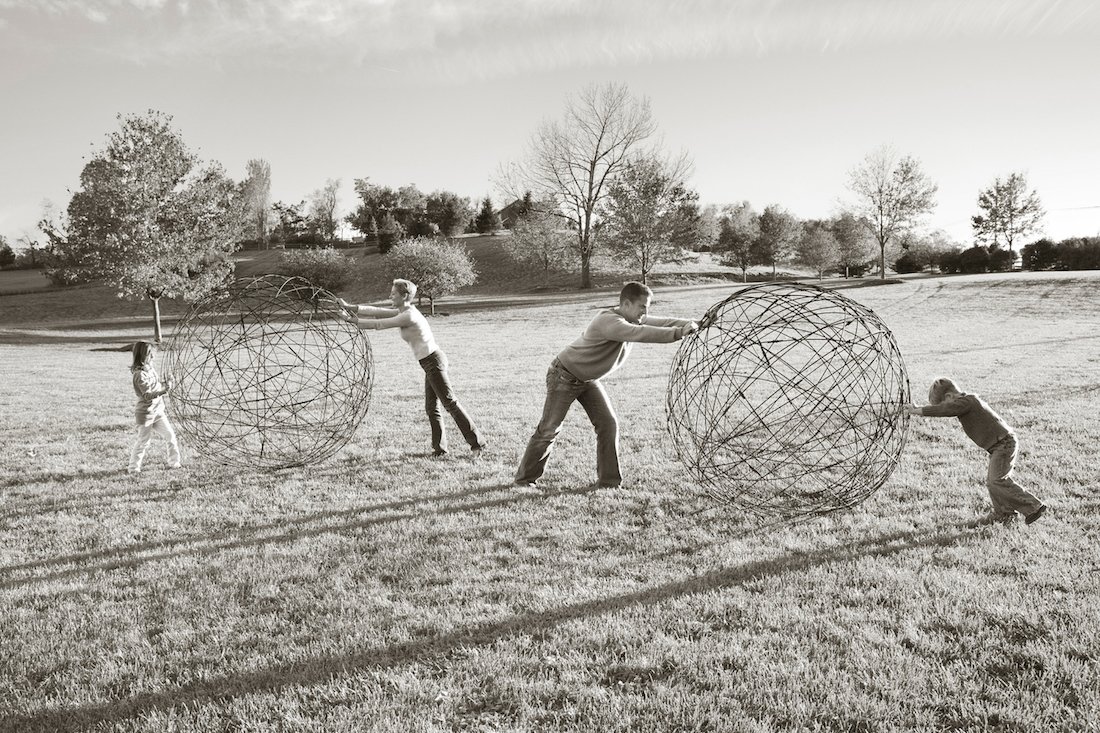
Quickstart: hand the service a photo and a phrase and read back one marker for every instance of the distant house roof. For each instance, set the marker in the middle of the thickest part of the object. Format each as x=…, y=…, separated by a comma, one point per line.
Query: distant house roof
x=510, y=213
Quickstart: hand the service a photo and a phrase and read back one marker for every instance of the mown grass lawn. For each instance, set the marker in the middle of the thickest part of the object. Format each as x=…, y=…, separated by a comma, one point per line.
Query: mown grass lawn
x=387, y=590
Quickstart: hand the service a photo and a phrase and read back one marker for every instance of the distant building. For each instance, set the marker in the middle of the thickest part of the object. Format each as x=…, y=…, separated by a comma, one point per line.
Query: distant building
x=510, y=214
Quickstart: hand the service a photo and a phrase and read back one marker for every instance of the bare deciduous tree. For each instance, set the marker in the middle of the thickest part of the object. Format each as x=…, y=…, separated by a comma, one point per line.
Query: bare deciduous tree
x=322, y=208
x=571, y=162
x=893, y=193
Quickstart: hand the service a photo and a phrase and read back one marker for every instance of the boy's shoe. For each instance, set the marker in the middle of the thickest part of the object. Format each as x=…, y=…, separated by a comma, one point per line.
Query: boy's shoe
x=438, y=452
x=1035, y=514
x=524, y=484
x=993, y=518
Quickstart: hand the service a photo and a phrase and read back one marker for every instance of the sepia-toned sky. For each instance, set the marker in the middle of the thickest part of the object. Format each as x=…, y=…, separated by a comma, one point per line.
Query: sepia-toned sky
x=774, y=100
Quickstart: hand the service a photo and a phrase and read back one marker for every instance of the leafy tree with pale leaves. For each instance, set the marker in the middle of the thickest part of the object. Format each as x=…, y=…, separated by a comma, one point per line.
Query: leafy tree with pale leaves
x=738, y=230
x=780, y=232
x=149, y=219
x=256, y=192
x=540, y=241
x=892, y=195
x=438, y=268
x=448, y=211
x=854, y=243
x=572, y=162
x=649, y=215
x=324, y=267
x=818, y=247
x=1009, y=212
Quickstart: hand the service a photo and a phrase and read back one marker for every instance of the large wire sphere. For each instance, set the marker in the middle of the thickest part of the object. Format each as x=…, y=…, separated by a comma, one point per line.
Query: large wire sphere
x=791, y=404
x=267, y=376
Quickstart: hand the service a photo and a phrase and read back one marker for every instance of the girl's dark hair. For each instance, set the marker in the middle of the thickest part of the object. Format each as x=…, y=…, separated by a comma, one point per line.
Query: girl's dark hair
x=141, y=350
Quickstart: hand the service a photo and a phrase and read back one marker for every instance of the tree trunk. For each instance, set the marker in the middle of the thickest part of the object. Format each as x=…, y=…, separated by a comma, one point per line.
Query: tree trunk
x=431, y=304
x=156, y=320
x=882, y=260
x=586, y=271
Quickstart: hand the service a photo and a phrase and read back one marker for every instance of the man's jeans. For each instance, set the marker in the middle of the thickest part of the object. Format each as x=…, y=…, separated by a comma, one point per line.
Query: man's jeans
x=562, y=389
x=438, y=395
x=1007, y=495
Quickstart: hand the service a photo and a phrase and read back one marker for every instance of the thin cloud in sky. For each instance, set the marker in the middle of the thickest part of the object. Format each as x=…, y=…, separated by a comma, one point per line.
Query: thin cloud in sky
x=486, y=39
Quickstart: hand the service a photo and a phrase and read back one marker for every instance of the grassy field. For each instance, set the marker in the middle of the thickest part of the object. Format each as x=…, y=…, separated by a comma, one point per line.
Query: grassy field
x=387, y=590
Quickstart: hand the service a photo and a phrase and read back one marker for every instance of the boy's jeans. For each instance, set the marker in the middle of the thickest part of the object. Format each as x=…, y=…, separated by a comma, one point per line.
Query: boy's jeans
x=437, y=389
x=562, y=389
x=1007, y=495
x=160, y=426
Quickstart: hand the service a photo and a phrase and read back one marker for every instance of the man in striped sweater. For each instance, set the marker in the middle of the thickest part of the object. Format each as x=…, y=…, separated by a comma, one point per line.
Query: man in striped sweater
x=574, y=376
x=986, y=428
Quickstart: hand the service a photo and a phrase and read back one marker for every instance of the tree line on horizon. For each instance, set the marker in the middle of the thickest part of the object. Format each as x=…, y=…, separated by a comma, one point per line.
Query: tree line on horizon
x=154, y=221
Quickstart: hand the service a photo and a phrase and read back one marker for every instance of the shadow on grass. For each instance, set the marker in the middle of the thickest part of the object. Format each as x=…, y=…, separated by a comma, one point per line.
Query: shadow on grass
x=1000, y=346
x=129, y=556
x=96, y=501
x=321, y=669
x=62, y=478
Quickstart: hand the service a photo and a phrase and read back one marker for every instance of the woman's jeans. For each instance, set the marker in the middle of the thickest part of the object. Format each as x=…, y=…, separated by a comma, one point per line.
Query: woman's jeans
x=562, y=389
x=1007, y=495
x=438, y=395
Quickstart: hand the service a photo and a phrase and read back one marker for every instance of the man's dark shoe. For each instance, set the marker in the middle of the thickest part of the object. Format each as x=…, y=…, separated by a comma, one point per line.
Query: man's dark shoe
x=1035, y=515
x=993, y=518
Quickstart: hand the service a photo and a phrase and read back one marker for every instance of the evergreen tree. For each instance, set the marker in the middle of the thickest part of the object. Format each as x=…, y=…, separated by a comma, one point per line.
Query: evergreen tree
x=487, y=220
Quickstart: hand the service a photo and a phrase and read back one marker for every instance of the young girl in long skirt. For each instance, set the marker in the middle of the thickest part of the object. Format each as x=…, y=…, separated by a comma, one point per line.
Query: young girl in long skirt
x=150, y=413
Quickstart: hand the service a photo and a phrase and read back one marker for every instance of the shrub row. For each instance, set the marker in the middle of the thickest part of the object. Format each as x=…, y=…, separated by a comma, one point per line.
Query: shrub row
x=1078, y=253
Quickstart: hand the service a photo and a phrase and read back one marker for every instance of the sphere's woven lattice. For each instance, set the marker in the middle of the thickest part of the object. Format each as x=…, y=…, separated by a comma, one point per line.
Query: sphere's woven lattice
x=267, y=376
x=791, y=404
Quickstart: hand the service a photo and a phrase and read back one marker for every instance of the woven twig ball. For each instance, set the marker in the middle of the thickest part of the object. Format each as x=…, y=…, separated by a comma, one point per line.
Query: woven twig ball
x=267, y=376
x=791, y=404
